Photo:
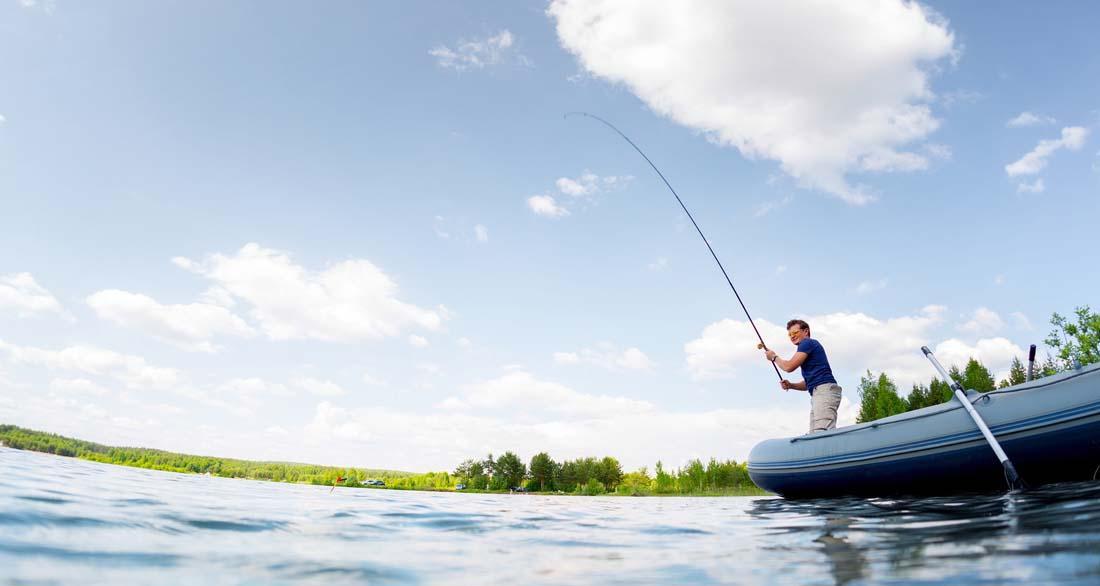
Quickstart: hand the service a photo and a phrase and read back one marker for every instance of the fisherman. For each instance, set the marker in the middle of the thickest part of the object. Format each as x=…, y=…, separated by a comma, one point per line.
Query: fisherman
x=817, y=376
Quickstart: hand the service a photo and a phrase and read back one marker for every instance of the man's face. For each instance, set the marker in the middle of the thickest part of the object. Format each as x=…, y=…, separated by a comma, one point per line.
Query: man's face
x=797, y=334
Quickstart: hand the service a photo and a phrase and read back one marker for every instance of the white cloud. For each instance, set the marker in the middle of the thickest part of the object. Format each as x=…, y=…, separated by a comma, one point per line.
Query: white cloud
x=962, y=96
x=855, y=342
x=2, y=120
x=779, y=270
x=464, y=343
x=823, y=107
x=48, y=6
x=218, y=296
x=22, y=293
x=322, y=388
x=522, y=392
x=438, y=226
x=606, y=355
x=660, y=264
x=633, y=359
x=1073, y=138
x=995, y=353
x=255, y=386
x=983, y=321
x=348, y=301
x=999, y=280
x=1029, y=119
x=1035, y=187
x=545, y=205
x=439, y=440
x=428, y=368
x=937, y=151
x=585, y=185
x=1020, y=320
x=418, y=341
x=276, y=430
x=481, y=233
x=769, y=206
x=131, y=370
x=573, y=192
x=567, y=358
x=189, y=326
x=372, y=381
x=79, y=385
x=479, y=53
x=451, y=404
x=868, y=287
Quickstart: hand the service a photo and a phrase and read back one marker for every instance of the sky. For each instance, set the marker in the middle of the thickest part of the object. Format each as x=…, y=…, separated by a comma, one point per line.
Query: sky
x=366, y=234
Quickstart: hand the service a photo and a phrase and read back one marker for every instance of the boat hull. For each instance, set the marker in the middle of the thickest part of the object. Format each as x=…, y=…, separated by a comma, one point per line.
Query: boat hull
x=1049, y=428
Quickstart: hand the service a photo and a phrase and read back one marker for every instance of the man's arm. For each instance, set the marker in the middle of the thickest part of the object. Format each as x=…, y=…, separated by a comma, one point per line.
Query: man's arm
x=792, y=363
x=798, y=386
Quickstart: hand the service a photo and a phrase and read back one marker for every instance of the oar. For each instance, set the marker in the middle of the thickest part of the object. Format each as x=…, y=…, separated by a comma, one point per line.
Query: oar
x=1013, y=479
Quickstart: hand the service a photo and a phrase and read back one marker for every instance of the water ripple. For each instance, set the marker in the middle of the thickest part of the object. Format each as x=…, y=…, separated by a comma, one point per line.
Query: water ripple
x=111, y=524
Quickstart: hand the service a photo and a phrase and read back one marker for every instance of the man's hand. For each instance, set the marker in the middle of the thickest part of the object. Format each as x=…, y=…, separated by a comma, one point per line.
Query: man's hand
x=770, y=355
x=786, y=384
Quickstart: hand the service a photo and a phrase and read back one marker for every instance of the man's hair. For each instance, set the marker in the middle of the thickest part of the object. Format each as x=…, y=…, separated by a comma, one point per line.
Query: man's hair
x=797, y=322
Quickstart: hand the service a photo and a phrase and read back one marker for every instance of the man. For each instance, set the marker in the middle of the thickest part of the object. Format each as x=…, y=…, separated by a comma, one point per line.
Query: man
x=817, y=376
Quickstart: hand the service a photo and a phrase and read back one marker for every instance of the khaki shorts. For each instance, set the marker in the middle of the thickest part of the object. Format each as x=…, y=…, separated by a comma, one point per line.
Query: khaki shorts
x=824, y=403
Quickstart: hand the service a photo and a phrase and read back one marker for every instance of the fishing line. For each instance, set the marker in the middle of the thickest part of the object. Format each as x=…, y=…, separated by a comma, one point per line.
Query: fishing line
x=697, y=229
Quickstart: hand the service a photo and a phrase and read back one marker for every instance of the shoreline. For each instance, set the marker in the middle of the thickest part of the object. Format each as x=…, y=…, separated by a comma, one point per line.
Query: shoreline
x=17, y=438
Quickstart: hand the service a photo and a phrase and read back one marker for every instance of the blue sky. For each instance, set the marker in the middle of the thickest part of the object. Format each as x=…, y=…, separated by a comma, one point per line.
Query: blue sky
x=365, y=234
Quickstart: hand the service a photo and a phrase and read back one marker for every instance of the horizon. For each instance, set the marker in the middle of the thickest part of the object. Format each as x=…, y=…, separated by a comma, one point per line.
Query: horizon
x=367, y=234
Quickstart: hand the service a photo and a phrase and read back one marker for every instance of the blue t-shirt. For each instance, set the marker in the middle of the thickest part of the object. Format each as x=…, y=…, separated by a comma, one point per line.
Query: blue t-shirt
x=815, y=369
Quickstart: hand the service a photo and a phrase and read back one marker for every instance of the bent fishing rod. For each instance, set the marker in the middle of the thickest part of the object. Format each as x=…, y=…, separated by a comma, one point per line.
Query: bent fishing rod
x=693, y=222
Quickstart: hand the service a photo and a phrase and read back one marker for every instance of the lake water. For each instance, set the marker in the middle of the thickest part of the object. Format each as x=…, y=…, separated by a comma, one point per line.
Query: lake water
x=69, y=521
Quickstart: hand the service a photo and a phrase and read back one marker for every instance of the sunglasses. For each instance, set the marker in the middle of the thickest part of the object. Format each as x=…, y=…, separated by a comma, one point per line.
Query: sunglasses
x=794, y=334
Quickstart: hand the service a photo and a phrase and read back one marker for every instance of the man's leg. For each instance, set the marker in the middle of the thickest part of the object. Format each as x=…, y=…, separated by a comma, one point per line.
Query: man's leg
x=826, y=401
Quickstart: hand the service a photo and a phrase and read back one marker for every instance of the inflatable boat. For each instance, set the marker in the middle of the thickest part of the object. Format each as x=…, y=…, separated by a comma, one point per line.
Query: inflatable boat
x=1049, y=428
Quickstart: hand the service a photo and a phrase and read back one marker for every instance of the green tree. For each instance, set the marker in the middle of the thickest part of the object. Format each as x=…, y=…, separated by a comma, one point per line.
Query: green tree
x=1016, y=374
x=940, y=391
x=1047, y=368
x=878, y=398
x=592, y=488
x=1076, y=342
x=919, y=398
x=510, y=469
x=666, y=483
x=609, y=472
x=692, y=478
x=636, y=483
x=977, y=377
x=568, y=476
x=543, y=469
x=465, y=470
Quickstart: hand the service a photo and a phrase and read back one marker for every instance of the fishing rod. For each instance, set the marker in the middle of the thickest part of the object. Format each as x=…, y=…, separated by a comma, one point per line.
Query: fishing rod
x=693, y=222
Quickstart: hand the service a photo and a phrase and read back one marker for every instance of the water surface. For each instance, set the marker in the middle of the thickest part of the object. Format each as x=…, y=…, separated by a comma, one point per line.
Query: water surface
x=64, y=520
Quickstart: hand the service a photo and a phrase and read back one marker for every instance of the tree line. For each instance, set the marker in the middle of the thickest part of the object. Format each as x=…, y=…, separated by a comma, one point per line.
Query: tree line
x=589, y=476
x=1075, y=343
x=595, y=476
x=38, y=441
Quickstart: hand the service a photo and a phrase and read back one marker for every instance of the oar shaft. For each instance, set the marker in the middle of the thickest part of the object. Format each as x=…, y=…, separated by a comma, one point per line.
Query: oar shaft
x=1010, y=471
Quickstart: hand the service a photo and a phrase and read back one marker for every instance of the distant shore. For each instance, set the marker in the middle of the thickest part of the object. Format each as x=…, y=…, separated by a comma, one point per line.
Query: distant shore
x=294, y=473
